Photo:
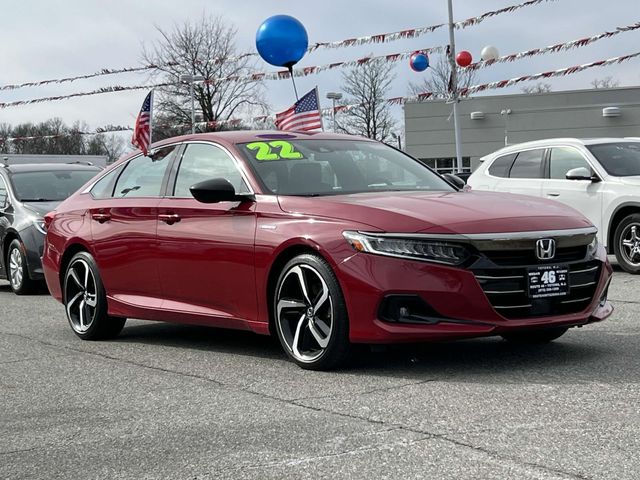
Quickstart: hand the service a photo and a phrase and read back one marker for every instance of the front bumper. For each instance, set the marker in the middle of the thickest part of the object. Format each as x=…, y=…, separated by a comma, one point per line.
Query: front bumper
x=463, y=308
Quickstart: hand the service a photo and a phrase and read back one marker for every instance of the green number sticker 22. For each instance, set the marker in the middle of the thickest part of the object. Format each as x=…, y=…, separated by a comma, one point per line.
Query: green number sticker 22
x=265, y=150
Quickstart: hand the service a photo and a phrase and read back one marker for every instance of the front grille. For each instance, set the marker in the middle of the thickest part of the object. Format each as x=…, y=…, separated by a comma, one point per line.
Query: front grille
x=528, y=257
x=506, y=289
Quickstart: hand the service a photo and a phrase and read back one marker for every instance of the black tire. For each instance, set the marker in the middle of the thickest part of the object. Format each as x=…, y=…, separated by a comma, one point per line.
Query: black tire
x=83, y=287
x=18, y=271
x=533, y=337
x=331, y=314
x=624, y=231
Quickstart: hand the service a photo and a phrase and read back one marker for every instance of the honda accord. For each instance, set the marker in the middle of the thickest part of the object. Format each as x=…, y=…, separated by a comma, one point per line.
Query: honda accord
x=323, y=240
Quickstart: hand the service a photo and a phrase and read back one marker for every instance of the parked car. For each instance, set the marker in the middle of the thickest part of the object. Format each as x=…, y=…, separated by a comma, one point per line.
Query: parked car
x=600, y=178
x=323, y=240
x=27, y=193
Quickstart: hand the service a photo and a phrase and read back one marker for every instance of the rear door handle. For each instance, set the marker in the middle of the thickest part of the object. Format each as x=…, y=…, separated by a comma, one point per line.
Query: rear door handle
x=553, y=194
x=169, y=218
x=101, y=217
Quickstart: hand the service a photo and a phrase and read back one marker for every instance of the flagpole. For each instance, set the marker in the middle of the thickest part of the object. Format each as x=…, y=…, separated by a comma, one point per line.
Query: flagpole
x=454, y=83
x=151, y=117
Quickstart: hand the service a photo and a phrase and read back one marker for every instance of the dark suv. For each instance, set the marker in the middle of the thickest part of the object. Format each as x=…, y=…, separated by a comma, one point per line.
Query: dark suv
x=27, y=193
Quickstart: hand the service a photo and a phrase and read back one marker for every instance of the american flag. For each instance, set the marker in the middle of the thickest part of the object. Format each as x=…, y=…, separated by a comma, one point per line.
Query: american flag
x=142, y=133
x=303, y=116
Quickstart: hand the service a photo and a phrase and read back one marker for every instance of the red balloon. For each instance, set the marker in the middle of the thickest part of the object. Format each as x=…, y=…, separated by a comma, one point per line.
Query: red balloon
x=463, y=58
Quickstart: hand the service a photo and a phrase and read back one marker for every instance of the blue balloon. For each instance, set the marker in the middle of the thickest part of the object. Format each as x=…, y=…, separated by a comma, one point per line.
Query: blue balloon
x=282, y=41
x=419, y=62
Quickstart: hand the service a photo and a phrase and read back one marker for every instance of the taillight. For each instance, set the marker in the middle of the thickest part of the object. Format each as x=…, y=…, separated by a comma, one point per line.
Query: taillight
x=48, y=218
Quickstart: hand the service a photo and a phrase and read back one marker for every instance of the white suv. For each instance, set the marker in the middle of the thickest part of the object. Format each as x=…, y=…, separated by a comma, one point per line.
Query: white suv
x=598, y=177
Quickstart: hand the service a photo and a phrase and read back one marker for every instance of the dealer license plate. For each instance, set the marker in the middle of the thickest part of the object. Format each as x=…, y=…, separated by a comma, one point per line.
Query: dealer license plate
x=548, y=281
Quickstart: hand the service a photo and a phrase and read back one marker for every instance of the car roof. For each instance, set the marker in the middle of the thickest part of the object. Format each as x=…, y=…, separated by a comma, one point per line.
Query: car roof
x=244, y=136
x=550, y=142
x=48, y=167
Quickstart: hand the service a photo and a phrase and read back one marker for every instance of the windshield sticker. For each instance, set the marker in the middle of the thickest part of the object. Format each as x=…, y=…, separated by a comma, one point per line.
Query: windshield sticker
x=275, y=150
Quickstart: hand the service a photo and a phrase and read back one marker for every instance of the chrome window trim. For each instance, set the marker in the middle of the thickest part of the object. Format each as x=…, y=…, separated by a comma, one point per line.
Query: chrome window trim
x=123, y=164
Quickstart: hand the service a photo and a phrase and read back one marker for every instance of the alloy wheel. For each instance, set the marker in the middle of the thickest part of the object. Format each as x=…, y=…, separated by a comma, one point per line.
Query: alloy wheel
x=630, y=244
x=304, y=313
x=81, y=296
x=16, y=272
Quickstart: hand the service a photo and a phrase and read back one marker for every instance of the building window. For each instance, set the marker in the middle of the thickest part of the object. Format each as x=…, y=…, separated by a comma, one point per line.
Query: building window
x=446, y=165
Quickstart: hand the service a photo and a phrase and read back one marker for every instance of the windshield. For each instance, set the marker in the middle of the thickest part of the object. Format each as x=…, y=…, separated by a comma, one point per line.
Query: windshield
x=49, y=186
x=331, y=167
x=618, y=159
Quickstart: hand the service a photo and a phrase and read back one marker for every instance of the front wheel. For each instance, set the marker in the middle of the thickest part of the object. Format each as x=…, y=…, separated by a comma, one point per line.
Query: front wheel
x=311, y=315
x=533, y=337
x=85, y=300
x=626, y=243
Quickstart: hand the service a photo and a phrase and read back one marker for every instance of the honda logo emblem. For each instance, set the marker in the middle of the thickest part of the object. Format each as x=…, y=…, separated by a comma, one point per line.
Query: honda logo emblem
x=546, y=248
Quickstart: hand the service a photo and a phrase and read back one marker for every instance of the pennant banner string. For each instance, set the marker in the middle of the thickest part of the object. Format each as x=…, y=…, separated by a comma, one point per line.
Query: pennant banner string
x=378, y=38
x=558, y=47
x=391, y=101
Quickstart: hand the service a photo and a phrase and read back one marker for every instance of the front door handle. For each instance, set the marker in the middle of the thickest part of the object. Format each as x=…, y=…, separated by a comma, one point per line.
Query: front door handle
x=553, y=194
x=169, y=218
x=101, y=217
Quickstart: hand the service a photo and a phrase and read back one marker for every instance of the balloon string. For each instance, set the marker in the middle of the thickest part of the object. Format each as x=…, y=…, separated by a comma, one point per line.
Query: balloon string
x=295, y=90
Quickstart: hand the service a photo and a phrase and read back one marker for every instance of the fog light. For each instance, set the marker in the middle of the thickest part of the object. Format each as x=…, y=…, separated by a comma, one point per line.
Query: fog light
x=407, y=309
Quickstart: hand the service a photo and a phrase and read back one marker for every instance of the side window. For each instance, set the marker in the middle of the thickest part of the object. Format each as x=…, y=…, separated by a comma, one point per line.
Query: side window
x=143, y=176
x=103, y=188
x=202, y=162
x=527, y=165
x=3, y=193
x=501, y=165
x=564, y=159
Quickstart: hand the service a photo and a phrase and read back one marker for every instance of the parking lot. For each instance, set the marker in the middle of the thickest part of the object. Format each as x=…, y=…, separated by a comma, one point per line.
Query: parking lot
x=171, y=401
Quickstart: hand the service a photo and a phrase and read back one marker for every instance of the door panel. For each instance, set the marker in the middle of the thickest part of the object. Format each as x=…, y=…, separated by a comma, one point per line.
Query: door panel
x=207, y=250
x=207, y=257
x=125, y=245
x=583, y=195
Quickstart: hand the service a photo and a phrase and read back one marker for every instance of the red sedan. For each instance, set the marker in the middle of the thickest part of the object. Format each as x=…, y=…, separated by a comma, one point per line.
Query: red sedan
x=324, y=240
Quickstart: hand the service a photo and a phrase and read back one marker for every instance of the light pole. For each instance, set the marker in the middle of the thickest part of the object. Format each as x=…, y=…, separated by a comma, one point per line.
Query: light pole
x=334, y=96
x=454, y=84
x=398, y=138
x=191, y=79
x=506, y=112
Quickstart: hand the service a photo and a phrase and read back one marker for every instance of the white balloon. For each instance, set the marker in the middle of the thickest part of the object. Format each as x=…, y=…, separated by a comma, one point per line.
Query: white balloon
x=489, y=53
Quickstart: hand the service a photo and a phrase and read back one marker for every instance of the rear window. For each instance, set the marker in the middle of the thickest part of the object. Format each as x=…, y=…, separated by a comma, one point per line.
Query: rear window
x=49, y=186
x=528, y=164
x=501, y=165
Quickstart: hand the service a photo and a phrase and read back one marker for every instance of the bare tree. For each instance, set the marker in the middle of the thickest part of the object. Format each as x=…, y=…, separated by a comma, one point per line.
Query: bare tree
x=606, y=82
x=207, y=48
x=540, y=87
x=437, y=76
x=366, y=87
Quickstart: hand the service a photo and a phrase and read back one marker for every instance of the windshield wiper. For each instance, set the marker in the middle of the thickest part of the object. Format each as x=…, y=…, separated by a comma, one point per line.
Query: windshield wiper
x=37, y=200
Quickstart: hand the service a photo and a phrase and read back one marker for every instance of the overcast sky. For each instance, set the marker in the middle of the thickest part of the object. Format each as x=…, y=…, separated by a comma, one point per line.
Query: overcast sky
x=43, y=39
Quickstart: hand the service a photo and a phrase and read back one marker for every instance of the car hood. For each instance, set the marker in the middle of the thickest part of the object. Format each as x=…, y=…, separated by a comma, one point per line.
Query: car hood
x=440, y=212
x=41, y=208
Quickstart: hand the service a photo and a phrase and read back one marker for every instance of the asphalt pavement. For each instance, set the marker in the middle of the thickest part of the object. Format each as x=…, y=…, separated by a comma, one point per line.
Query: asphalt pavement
x=180, y=402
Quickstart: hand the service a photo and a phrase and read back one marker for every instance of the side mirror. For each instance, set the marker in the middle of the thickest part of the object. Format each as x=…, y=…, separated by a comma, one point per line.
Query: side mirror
x=581, y=173
x=455, y=180
x=215, y=190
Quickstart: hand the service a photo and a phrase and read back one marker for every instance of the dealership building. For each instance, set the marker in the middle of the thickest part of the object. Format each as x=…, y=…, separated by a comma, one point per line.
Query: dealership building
x=488, y=123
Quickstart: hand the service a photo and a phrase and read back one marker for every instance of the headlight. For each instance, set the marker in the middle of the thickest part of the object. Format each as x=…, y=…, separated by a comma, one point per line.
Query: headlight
x=413, y=248
x=40, y=226
x=592, y=248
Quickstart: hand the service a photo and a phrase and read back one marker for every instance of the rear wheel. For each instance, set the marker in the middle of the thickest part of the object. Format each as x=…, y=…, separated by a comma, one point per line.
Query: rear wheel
x=17, y=269
x=311, y=315
x=86, y=301
x=626, y=243
x=535, y=336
